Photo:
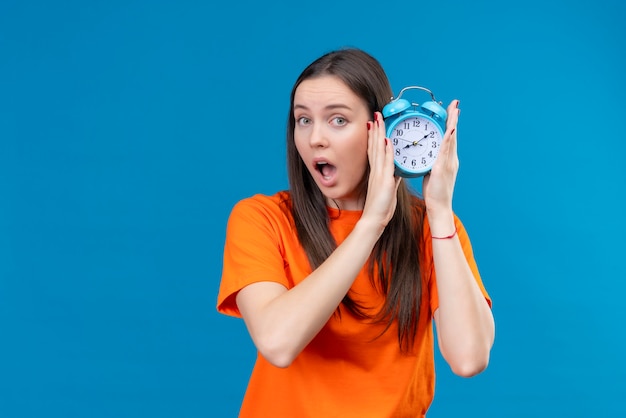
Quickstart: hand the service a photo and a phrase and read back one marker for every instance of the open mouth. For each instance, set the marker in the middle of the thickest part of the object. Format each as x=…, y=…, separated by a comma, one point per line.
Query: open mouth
x=325, y=169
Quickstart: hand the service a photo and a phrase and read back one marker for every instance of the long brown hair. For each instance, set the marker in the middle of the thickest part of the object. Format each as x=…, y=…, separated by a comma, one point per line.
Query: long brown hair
x=399, y=244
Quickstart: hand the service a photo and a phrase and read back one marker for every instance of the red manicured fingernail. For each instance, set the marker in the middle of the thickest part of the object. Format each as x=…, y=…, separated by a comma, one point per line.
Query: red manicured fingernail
x=457, y=103
x=452, y=131
x=386, y=141
x=368, y=126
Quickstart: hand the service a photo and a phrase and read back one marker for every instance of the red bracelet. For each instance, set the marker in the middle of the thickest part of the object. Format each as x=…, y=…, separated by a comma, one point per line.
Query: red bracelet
x=448, y=237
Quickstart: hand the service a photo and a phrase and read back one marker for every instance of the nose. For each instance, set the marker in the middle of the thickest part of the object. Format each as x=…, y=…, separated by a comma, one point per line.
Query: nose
x=318, y=138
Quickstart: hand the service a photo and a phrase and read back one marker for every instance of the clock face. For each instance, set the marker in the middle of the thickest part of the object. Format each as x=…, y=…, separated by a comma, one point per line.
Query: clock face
x=416, y=141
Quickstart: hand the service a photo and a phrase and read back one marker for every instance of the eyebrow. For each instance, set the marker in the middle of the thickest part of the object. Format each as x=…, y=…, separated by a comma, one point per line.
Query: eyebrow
x=329, y=107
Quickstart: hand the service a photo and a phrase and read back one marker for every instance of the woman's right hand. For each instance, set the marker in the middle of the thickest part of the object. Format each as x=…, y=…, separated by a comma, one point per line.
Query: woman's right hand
x=381, y=200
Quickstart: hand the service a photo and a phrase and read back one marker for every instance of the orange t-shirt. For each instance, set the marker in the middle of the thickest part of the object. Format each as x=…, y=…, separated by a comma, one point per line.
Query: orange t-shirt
x=345, y=371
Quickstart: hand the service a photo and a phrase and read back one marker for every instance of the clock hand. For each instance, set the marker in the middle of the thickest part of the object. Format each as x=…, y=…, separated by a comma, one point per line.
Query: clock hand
x=416, y=142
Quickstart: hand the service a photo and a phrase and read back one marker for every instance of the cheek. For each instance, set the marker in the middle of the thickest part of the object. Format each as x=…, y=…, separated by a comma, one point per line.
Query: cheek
x=297, y=140
x=356, y=149
x=358, y=144
x=303, y=150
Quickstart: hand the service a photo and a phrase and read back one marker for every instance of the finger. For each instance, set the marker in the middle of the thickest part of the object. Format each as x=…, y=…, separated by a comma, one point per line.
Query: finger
x=455, y=131
x=370, y=142
x=387, y=148
x=453, y=115
x=389, y=159
x=378, y=139
x=452, y=144
x=444, y=151
x=450, y=137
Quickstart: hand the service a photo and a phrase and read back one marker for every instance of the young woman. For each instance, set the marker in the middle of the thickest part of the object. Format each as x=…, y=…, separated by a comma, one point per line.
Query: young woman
x=338, y=279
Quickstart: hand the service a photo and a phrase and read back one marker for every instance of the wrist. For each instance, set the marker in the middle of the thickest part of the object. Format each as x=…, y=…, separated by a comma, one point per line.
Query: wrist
x=367, y=229
x=441, y=224
x=452, y=235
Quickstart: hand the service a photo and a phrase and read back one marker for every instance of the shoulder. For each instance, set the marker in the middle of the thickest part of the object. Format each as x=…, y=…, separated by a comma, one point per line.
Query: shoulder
x=262, y=208
x=277, y=203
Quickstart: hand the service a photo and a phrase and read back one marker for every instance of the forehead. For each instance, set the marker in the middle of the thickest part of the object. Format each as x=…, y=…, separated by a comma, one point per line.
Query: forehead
x=324, y=91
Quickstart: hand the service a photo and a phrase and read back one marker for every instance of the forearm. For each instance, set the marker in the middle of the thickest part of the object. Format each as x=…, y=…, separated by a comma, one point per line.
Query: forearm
x=465, y=324
x=284, y=325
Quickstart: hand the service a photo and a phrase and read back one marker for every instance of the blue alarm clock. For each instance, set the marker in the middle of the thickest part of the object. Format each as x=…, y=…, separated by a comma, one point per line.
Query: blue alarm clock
x=416, y=132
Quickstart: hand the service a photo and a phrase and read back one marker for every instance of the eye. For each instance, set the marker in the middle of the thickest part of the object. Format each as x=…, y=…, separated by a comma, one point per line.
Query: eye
x=303, y=121
x=339, y=121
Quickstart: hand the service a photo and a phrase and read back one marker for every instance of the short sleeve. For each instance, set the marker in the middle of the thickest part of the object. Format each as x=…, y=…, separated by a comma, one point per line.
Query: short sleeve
x=252, y=251
x=469, y=256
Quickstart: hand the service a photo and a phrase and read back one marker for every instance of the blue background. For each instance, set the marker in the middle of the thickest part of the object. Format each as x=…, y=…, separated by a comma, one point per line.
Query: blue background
x=129, y=129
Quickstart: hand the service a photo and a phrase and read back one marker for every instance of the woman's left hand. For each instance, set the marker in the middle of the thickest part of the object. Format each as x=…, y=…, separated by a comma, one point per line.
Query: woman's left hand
x=438, y=185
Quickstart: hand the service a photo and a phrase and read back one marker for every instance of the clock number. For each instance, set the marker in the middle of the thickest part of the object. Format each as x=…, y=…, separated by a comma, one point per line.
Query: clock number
x=398, y=151
x=414, y=162
x=426, y=126
x=430, y=154
x=432, y=134
x=434, y=144
x=407, y=125
x=404, y=160
x=416, y=123
x=423, y=161
x=395, y=141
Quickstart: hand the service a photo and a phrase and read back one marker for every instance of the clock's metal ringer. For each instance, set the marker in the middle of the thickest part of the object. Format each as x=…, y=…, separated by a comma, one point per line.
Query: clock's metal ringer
x=418, y=88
